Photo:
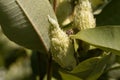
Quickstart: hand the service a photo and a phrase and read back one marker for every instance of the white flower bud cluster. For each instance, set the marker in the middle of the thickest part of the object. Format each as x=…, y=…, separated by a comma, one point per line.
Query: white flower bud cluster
x=83, y=16
x=61, y=46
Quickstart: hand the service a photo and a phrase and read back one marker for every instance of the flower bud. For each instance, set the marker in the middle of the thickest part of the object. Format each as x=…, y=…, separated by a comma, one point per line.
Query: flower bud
x=83, y=16
x=61, y=46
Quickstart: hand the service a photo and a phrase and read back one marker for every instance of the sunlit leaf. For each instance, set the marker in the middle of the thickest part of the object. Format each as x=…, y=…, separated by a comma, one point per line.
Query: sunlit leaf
x=25, y=22
x=106, y=38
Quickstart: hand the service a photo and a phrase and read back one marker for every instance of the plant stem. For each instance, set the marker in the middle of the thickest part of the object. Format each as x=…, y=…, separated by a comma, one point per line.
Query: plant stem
x=38, y=55
x=49, y=69
x=55, y=5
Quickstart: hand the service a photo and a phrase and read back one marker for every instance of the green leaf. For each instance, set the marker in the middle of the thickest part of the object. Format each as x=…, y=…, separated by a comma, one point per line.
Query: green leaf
x=92, y=68
x=26, y=23
x=6, y=46
x=98, y=3
x=85, y=65
x=66, y=76
x=99, y=68
x=106, y=38
x=76, y=45
x=63, y=11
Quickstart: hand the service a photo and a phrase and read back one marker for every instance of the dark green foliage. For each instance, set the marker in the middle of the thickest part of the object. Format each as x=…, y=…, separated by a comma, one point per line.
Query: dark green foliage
x=110, y=14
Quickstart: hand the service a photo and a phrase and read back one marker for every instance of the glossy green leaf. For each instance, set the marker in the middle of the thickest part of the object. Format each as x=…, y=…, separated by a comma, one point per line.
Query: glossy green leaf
x=92, y=68
x=66, y=76
x=99, y=68
x=85, y=65
x=25, y=22
x=106, y=38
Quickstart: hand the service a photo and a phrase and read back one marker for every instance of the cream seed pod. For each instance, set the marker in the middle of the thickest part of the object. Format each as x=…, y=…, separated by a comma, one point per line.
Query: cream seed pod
x=61, y=46
x=83, y=16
